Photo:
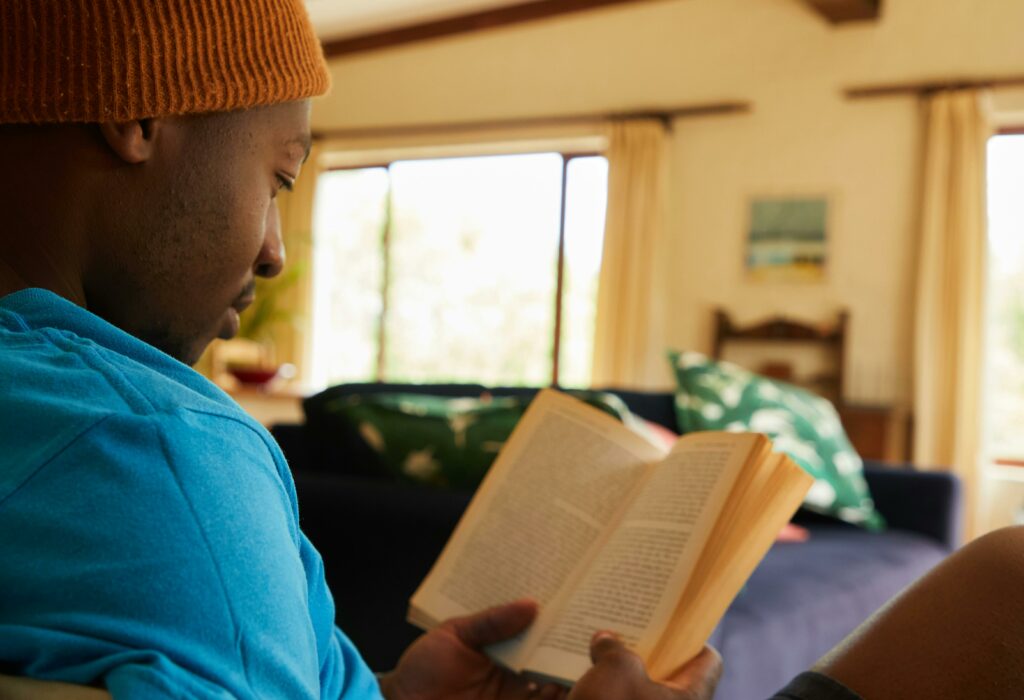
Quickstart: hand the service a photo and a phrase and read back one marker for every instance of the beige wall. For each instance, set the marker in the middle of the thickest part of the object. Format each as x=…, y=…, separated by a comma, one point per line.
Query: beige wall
x=803, y=137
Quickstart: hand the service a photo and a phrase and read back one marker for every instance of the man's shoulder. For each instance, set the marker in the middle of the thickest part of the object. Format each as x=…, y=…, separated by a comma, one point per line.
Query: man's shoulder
x=56, y=387
x=126, y=376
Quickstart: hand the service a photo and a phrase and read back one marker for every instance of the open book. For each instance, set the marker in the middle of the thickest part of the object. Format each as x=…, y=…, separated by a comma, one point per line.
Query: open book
x=609, y=531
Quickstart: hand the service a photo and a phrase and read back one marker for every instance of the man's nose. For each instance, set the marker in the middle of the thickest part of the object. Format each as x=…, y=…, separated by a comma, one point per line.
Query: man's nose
x=270, y=260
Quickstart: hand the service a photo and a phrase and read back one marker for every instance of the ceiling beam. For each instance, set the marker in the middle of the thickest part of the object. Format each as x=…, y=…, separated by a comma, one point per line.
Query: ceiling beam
x=840, y=11
x=665, y=114
x=487, y=19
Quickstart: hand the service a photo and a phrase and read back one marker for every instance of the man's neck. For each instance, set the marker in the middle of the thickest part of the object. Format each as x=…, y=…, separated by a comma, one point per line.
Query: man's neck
x=10, y=281
x=13, y=280
x=45, y=205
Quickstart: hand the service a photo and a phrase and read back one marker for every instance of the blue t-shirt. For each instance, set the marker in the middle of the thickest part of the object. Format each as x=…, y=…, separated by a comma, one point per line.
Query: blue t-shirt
x=149, y=533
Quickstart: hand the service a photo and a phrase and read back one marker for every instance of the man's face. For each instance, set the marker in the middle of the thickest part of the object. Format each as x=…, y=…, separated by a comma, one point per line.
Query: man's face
x=193, y=226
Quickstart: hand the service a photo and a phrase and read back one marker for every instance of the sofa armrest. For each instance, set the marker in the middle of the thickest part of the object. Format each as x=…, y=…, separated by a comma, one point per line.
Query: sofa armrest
x=308, y=451
x=294, y=440
x=378, y=541
x=928, y=503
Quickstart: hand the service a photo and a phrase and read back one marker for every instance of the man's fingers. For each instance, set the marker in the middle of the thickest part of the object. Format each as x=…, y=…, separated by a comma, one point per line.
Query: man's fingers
x=608, y=651
x=551, y=692
x=602, y=644
x=494, y=624
x=700, y=675
x=697, y=678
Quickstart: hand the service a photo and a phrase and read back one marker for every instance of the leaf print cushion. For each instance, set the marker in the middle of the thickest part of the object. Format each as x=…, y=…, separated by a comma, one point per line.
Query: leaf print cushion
x=436, y=440
x=713, y=395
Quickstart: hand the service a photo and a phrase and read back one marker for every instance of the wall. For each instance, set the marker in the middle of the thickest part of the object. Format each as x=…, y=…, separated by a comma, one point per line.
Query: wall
x=802, y=137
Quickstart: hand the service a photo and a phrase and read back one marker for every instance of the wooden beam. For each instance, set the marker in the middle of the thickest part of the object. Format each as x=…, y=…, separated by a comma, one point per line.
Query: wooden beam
x=840, y=11
x=667, y=115
x=925, y=87
x=486, y=19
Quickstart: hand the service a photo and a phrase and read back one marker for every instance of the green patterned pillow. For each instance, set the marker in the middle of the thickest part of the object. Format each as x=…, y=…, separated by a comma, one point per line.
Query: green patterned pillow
x=721, y=396
x=449, y=442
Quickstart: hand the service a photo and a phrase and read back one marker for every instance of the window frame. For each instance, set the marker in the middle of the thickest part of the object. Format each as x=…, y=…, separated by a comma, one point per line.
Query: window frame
x=567, y=155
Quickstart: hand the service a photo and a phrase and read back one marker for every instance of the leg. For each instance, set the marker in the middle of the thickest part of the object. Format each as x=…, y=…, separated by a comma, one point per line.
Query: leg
x=956, y=633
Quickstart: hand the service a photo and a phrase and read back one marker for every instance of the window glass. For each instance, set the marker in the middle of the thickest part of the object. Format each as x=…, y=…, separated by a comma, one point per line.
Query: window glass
x=586, y=202
x=446, y=270
x=473, y=269
x=1005, y=353
x=348, y=224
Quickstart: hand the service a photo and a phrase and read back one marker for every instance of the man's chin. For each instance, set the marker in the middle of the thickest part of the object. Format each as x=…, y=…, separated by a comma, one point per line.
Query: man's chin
x=192, y=352
x=232, y=323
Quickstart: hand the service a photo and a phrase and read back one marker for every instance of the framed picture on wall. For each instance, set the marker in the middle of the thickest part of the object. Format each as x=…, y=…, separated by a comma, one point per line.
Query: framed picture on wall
x=787, y=239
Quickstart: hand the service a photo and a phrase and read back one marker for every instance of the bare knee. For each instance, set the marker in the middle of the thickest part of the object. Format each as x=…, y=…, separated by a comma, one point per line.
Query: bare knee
x=999, y=553
x=977, y=586
x=956, y=633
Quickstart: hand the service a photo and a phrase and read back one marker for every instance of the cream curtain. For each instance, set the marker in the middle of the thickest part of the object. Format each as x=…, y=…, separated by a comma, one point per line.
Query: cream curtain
x=629, y=342
x=950, y=289
x=292, y=338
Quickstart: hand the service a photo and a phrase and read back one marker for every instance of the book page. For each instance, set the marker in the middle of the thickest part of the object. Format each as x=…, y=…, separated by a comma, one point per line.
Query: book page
x=635, y=581
x=738, y=544
x=539, y=516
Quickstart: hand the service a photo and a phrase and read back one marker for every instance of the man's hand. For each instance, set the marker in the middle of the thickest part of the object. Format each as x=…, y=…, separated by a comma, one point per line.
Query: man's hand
x=619, y=674
x=447, y=663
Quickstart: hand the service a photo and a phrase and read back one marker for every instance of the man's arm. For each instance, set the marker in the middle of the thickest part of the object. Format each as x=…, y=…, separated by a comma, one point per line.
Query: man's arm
x=166, y=561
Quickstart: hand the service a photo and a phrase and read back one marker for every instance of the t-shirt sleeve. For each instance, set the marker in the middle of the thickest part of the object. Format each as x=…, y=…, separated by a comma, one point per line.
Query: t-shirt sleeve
x=161, y=555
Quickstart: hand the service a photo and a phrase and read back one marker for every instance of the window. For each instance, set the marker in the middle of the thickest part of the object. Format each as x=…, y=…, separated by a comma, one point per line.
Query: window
x=1005, y=341
x=479, y=269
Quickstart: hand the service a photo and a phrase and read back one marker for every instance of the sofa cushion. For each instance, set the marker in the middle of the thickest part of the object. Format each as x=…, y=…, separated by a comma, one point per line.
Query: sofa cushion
x=721, y=396
x=437, y=440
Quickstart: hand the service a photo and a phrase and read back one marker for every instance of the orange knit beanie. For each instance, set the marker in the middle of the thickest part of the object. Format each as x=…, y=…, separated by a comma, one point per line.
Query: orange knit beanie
x=118, y=60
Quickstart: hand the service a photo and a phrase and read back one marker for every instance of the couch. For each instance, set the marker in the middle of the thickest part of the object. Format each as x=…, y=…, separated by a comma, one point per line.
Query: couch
x=378, y=538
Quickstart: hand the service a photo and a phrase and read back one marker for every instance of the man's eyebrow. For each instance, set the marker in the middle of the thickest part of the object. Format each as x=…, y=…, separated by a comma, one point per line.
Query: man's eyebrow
x=305, y=141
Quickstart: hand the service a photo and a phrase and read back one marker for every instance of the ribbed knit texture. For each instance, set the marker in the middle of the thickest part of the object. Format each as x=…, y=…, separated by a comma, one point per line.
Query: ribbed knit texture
x=118, y=60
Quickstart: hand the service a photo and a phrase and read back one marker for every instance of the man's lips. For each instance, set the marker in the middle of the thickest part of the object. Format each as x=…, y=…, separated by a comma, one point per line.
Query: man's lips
x=243, y=303
x=232, y=322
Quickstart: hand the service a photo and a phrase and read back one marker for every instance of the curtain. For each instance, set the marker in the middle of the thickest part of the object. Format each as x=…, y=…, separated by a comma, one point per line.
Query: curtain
x=628, y=341
x=949, y=309
x=291, y=337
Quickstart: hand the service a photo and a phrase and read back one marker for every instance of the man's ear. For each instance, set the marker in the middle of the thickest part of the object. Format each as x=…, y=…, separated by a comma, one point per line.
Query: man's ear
x=133, y=141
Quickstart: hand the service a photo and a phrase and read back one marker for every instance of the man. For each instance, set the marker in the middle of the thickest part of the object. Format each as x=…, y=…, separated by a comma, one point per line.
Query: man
x=149, y=539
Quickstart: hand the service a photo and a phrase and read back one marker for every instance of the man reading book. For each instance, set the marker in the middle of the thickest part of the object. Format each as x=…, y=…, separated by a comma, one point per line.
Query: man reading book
x=149, y=533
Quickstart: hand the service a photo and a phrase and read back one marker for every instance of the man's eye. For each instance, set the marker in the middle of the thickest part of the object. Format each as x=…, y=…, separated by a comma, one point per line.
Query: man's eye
x=285, y=183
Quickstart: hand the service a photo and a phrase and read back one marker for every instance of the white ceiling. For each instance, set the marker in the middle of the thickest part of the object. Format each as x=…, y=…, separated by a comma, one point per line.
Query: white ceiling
x=335, y=19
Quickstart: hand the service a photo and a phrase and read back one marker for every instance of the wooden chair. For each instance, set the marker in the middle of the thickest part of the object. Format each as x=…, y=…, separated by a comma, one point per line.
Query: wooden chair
x=786, y=331
x=13, y=688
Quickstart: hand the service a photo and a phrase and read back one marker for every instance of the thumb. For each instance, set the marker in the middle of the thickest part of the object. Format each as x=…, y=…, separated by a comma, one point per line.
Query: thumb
x=700, y=675
x=608, y=651
x=493, y=624
x=617, y=672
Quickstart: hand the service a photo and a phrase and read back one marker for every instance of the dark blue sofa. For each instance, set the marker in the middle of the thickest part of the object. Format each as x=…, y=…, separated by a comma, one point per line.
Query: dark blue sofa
x=379, y=538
